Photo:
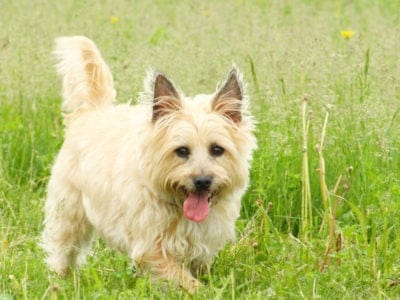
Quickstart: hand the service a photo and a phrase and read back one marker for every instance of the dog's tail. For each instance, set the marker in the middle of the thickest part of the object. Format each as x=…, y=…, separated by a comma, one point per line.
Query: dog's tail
x=87, y=80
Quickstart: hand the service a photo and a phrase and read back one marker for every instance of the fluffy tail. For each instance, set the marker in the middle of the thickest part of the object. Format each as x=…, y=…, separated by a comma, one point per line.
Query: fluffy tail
x=87, y=80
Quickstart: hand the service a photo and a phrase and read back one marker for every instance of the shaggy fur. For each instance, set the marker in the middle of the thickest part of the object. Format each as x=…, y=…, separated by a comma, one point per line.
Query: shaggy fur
x=161, y=181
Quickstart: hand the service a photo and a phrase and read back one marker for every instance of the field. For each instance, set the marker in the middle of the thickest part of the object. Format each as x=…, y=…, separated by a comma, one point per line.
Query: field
x=321, y=218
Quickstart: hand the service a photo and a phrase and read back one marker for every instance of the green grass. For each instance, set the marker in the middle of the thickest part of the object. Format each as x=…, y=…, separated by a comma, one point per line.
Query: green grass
x=286, y=49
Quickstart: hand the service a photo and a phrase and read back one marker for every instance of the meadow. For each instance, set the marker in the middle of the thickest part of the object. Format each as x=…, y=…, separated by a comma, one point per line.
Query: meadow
x=321, y=218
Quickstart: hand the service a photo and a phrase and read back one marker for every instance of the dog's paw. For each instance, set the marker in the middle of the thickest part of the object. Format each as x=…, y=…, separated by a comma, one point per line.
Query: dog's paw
x=192, y=286
x=62, y=270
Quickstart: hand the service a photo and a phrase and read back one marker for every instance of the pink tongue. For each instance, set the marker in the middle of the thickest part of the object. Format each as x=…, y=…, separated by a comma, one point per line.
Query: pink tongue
x=196, y=207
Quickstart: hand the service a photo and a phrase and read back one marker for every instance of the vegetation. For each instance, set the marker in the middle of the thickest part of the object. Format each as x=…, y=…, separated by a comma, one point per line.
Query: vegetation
x=321, y=217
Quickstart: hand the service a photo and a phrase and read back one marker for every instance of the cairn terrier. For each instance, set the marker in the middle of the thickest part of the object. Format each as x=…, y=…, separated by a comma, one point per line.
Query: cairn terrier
x=161, y=181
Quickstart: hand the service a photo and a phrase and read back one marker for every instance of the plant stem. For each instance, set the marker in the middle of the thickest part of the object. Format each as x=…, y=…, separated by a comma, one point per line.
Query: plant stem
x=306, y=207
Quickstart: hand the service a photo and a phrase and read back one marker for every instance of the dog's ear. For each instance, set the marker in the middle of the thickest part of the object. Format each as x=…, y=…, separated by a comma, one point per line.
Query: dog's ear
x=166, y=98
x=228, y=99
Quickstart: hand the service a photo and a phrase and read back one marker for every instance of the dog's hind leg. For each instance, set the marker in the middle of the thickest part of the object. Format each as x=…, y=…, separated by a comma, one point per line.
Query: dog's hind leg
x=67, y=233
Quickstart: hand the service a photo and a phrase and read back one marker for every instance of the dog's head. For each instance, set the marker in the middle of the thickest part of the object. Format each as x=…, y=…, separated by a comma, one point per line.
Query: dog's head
x=201, y=147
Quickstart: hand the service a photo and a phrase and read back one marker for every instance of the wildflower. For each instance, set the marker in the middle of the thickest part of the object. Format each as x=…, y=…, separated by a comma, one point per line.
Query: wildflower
x=114, y=19
x=4, y=244
x=207, y=12
x=347, y=34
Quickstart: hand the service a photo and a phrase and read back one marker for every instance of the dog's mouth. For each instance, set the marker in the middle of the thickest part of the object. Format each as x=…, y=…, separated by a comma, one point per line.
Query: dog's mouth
x=196, y=206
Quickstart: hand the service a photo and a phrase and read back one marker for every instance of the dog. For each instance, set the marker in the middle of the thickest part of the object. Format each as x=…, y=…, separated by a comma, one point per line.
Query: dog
x=161, y=180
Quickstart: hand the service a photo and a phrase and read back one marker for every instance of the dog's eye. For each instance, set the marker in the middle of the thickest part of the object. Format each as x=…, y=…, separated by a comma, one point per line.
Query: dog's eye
x=216, y=150
x=182, y=152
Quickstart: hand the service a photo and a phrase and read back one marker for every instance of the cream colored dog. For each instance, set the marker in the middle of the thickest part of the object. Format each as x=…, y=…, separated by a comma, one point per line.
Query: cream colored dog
x=161, y=181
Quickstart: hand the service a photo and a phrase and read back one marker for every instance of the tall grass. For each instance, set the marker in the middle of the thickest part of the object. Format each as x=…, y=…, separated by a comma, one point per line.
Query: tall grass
x=286, y=50
x=306, y=199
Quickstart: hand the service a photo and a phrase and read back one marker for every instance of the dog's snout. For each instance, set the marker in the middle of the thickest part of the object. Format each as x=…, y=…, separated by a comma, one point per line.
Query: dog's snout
x=202, y=183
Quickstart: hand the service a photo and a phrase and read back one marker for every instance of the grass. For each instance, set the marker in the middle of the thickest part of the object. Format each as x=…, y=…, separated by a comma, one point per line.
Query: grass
x=286, y=49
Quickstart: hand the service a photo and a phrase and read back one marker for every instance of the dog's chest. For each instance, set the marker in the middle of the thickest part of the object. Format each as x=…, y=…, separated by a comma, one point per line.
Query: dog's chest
x=197, y=241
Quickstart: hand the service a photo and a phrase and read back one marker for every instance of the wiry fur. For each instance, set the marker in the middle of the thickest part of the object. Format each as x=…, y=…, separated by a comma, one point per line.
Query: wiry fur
x=118, y=172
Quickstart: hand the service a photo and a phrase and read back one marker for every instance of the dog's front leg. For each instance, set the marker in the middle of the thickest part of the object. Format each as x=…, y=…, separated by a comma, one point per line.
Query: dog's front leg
x=165, y=266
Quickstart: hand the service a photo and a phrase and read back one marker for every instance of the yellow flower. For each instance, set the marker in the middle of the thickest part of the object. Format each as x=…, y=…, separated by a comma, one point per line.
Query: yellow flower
x=4, y=244
x=206, y=12
x=347, y=34
x=114, y=19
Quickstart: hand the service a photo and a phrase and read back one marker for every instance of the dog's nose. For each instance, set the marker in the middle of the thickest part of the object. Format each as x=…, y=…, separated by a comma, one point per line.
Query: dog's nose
x=202, y=183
